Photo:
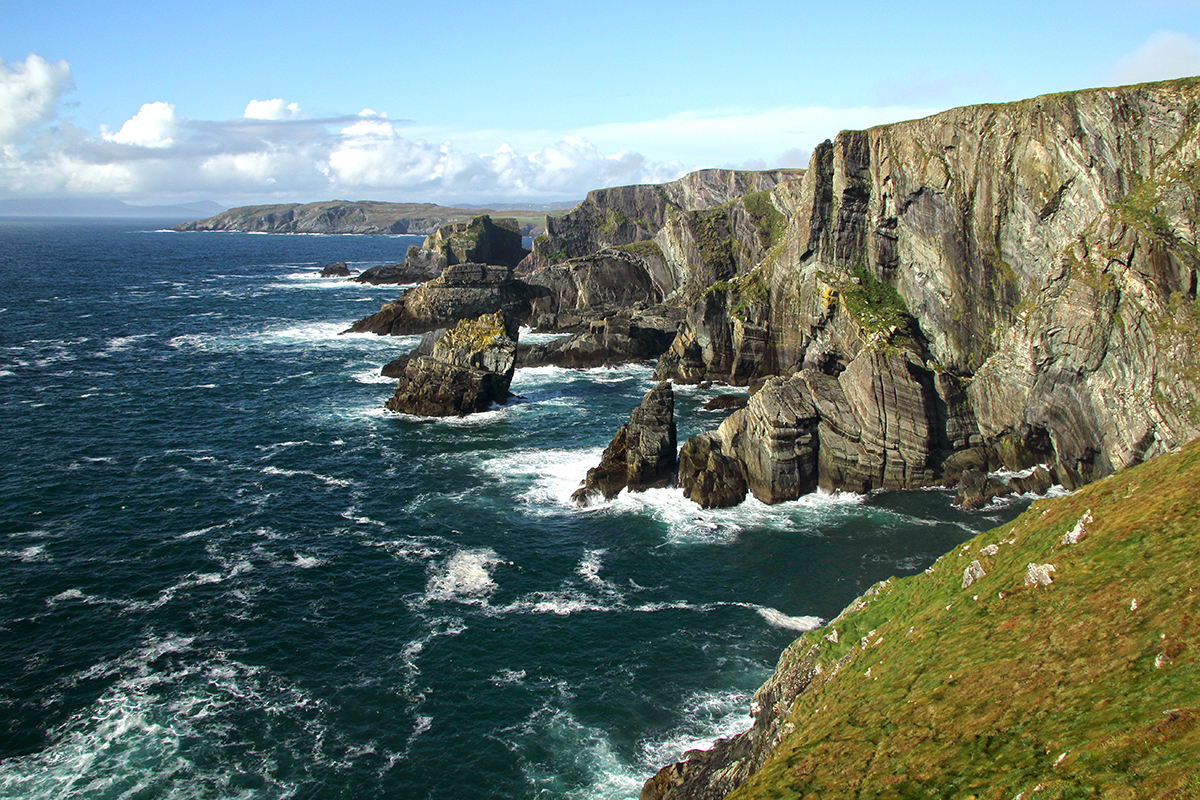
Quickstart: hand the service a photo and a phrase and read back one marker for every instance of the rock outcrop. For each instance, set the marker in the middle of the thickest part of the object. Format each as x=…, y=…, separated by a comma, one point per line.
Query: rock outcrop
x=338, y=269
x=997, y=285
x=480, y=240
x=459, y=371
x=462, y=291
x=642, y=453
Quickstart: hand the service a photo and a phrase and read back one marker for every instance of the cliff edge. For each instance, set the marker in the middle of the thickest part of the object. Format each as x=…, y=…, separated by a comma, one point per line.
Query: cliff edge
x=1051, y=657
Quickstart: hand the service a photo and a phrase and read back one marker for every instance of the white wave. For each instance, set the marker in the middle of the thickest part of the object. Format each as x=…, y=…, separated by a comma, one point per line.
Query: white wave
x=526, y=335
x=543, y=479
x=778, y=619
x=508, y=677
x=372, y=376
x=464, y=578
x=707, y=716
x=292, y=473
x=139, y=736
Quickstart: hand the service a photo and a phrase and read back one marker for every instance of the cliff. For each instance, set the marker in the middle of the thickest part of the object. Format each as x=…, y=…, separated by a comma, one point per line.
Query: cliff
x=365, y=217
x=995, y=285
x=1051, y=657
x=625, y=215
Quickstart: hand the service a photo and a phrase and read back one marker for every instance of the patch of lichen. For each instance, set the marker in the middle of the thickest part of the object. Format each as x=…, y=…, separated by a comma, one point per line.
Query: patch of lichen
x=874, y=305
x=474, y=335
x=710, y=231
x=612, y=219
x=646, y=249
x=1086, y=687
x=770, y=224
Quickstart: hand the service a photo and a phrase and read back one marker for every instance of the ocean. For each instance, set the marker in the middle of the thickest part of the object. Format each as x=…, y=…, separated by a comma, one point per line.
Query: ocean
x=227, y=572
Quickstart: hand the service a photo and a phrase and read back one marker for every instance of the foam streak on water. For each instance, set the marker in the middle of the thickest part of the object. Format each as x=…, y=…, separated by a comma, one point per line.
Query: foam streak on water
x=226, y=571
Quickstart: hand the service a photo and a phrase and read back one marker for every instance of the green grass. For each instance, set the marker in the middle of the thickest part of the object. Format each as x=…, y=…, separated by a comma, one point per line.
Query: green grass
x=997, y=689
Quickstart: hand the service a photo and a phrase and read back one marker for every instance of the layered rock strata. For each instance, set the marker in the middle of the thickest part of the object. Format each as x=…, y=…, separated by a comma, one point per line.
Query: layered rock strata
x=1036, y=263
x=642, y=453
x=459, y=371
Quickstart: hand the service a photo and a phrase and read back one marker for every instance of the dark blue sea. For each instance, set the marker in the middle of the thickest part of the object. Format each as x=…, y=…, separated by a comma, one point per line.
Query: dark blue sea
x=227, y=572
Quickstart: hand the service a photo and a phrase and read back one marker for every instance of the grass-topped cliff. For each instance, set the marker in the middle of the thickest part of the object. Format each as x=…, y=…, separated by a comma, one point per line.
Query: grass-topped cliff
x=1083, y=687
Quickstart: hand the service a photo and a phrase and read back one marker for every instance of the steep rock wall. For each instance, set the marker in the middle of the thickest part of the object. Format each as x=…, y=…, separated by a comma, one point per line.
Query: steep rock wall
x=1043, y=254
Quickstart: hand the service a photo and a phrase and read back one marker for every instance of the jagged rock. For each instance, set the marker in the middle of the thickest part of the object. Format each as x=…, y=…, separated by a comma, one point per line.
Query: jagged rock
x=1038, y=574
x=708, y=477
x=772, y=443
x=642, y=453
x=972, y=573
x=976, y=489
x=338, y=269
x=468, y=367
x=462, y=291
x=617, y=339
x=480, y=240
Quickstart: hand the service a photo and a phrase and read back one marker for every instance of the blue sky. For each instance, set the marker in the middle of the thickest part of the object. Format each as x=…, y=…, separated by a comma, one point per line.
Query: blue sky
x=465, y=101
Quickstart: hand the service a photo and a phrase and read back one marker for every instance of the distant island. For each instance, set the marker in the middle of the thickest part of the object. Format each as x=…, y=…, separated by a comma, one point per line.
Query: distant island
x=365, y=217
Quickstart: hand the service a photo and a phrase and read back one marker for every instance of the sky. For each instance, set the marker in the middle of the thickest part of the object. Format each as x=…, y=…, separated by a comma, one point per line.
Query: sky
x=475, y=102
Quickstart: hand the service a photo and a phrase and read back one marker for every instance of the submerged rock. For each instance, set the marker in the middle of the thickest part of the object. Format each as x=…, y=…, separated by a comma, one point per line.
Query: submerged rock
x=468, y=368
x=642, y=453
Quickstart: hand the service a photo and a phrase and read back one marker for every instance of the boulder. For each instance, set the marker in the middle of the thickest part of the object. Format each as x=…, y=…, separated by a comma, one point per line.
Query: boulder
x=468, y=368
x=642, y=453
x=338, y=269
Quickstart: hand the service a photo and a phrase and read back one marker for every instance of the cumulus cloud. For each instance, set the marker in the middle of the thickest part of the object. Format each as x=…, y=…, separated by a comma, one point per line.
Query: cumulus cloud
x=29, y=91
x=1165, y=55
x=273, y=151
x=272, y=109
x=155, y=126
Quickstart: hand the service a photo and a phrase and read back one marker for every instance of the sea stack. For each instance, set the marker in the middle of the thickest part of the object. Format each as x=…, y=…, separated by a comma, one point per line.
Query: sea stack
x=468, y=367
x=641, y=455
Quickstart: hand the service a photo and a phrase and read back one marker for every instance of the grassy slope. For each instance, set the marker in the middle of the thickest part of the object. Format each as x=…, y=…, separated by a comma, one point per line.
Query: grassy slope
x=999, y=689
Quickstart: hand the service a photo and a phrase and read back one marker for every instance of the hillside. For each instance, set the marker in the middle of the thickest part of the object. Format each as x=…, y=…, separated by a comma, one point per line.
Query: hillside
x=363, y=217
x=1003, y=686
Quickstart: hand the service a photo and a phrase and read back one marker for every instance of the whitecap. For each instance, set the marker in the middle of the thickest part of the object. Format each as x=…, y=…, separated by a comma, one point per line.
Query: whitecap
x=778, y=619
x=292, y=473
x=465, y=577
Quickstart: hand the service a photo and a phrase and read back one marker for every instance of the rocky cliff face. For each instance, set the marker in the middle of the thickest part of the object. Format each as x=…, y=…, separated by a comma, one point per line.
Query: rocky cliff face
x=462, y=291
x=1011, y=283
x=481, y=240
x=628, y=214
x=340, y=216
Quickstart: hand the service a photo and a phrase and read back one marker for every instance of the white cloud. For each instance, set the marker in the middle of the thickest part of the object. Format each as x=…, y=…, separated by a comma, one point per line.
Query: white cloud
x=1165, y=55
x=272, y=109
x=155, y=126
x=28, y=94
x=274, y=152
